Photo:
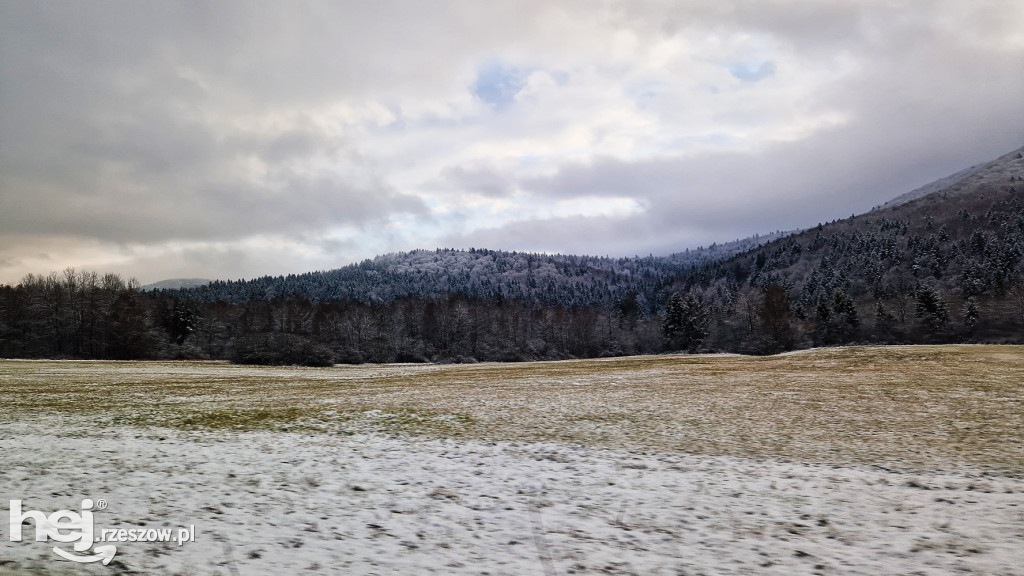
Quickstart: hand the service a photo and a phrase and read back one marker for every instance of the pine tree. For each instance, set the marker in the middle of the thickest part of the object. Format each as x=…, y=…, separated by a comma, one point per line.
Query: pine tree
x=843, y=305
x=971, y=313
x=183, y=320
x=931, y=309
x=686, y=322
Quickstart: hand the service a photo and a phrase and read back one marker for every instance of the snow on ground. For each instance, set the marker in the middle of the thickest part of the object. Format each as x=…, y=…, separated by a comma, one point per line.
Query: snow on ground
x=287, y=503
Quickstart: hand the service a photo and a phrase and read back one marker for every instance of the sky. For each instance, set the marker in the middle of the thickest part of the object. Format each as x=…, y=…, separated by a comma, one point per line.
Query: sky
x=237, y=139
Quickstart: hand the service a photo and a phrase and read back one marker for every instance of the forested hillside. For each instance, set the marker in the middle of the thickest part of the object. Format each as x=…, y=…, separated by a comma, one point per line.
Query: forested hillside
x=495, y=276
x=942, y=267
x=437, y=305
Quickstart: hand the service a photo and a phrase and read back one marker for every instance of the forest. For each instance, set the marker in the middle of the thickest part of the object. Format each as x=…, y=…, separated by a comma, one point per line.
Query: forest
x=945, y=267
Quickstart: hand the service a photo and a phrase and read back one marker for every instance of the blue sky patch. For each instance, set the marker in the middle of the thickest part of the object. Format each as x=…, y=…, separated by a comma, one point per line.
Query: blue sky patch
x=753, y=72
x=497, y=84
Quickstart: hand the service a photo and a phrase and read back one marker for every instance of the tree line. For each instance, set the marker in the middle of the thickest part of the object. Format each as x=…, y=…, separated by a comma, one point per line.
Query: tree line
x=83, y=315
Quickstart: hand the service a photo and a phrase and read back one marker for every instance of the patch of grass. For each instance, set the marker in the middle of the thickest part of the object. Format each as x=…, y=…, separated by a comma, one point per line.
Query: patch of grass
x=900, y=407
x=229, y=419
x=294, y=419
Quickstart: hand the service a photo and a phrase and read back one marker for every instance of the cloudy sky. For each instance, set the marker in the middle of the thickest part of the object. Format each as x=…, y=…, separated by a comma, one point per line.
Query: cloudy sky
x=233, y=139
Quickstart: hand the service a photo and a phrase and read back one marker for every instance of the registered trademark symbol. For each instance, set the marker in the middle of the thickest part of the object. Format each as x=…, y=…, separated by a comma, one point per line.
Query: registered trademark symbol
x=101, y=504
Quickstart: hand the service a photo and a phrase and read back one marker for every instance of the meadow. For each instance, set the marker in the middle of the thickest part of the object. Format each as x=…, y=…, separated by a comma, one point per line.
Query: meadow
x=918, y=406
x=861, y=460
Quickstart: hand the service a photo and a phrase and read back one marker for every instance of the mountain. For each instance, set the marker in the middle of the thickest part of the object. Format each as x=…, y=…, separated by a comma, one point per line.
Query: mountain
x=999, y=170
x=569, y=280
x=544, y=279
x=936, y=186
x=942, y=263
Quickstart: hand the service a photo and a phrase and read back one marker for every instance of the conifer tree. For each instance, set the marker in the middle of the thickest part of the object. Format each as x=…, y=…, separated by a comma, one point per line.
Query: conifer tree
x=931, y=309
x=686, y=322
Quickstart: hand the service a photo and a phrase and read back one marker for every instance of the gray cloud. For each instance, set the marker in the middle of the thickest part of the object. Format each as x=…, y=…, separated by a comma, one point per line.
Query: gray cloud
x=477, y=180
x=347, y=128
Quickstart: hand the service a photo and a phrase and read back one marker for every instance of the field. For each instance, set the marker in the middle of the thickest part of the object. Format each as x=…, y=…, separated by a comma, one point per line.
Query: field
x=862, y=460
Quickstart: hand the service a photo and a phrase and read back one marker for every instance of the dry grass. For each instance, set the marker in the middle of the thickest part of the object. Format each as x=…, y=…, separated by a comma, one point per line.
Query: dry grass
x=920, y=407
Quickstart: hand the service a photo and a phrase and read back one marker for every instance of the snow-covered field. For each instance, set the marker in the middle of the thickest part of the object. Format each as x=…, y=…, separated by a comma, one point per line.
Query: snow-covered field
x=285, y=503
x=444, y=496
